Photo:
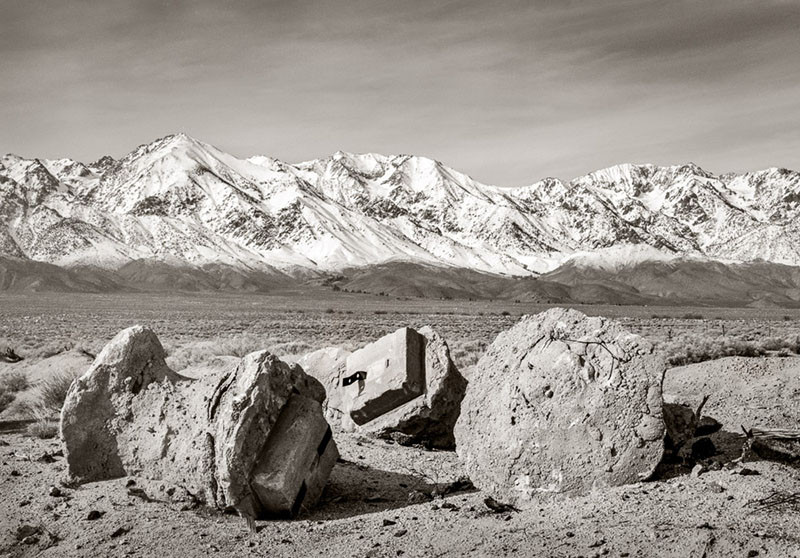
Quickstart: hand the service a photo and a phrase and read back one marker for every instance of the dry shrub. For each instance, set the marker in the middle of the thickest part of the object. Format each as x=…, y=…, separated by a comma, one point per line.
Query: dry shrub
x=238, y=345
x=43, y=425
x=52, y=391
x=781, y=343
x=44, y=429
x=53, y=348
x=291, y=348
x=14, y=381
x=690, y=349
x=6, y=399
x=467, y=353
x=201, y=351
x=11, y=383
x=24, y=407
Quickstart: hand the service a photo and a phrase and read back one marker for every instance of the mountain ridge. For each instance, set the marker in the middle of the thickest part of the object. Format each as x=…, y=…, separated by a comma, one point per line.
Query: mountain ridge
x=183, y=202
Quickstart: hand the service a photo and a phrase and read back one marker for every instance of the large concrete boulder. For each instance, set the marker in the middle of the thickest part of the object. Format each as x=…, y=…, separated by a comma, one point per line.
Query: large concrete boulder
x=562, y=403
x=404, y=386
x=250, y=436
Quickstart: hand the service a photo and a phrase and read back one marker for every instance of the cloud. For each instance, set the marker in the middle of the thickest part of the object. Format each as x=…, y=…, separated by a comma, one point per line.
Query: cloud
x=508, y=92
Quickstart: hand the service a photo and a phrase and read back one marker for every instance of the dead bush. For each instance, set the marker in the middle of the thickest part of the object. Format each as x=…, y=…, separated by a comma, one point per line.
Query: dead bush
x=6, y=399
x=467, y=353
x=14, y=381
x=44, y=429
x=52, y=391
x=11, y=383
x=689, y=349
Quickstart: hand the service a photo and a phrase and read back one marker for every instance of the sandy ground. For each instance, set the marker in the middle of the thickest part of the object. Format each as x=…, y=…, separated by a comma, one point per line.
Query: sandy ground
x=366, y=510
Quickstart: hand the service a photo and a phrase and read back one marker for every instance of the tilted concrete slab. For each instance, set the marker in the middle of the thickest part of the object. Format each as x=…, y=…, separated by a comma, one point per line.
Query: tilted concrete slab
x=296, y=459
x=385, y=374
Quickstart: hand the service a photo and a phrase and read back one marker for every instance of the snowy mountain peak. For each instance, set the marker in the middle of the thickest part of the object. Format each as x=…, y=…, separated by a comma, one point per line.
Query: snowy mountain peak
x=179, y=199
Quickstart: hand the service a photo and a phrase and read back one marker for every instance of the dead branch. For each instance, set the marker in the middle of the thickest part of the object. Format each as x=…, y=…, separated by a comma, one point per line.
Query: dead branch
x=700, y=407
x=777, y=501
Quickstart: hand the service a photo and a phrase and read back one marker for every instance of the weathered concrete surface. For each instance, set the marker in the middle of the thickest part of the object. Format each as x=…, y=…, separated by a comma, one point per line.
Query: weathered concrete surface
x=299, y=445
x=131, y=415
x=327, y=365
x=562, y=403
x=389, y=372
x=427, y=418
x=91, y=420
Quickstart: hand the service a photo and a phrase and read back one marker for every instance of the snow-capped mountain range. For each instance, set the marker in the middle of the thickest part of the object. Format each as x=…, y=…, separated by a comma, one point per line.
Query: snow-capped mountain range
x=180, y=201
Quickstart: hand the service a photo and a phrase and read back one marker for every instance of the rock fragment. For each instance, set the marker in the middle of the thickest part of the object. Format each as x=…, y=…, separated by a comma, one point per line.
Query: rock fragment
x=215, y=437
x=602, y=425
x=403, y=387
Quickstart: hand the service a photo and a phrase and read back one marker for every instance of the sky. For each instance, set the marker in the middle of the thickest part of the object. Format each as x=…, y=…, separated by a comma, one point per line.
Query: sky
x=508, y=92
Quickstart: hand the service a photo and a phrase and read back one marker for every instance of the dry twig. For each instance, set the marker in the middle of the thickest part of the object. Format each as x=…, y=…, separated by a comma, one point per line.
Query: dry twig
x=777, y=501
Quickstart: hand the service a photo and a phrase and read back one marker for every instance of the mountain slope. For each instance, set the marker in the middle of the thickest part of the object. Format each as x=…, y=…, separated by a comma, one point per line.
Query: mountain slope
x=180, y=204
x=685, y=281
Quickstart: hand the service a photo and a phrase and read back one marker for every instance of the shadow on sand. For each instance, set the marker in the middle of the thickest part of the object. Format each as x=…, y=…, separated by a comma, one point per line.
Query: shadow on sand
x=357, y=489
x=728, y=448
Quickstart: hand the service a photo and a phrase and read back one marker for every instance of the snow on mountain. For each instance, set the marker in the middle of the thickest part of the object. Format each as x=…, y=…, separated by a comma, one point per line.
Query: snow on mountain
x=183, y=201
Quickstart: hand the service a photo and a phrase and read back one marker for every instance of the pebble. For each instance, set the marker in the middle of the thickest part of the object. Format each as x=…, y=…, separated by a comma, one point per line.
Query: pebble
x=46, y=458
x=119, y=532
x=400, y=533
x=55, y=492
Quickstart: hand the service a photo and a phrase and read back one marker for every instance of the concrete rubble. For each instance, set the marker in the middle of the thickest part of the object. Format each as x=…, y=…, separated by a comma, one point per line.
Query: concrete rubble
x=562, y=403
x=251, y=436
x=404, y=386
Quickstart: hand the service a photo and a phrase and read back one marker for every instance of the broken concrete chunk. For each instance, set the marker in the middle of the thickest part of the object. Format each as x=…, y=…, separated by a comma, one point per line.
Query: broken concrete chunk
x=404, y=386
x=385, y=374
x=131, y=415
x=286, y=477
x=92, y=417
x=562, y=403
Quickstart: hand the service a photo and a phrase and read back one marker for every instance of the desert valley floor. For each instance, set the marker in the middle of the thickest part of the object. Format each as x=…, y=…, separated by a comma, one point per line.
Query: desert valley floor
x=384, y=499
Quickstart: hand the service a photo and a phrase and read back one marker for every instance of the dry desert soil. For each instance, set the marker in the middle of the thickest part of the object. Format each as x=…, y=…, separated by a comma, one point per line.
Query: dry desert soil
x=384, y=499
x=377, y=503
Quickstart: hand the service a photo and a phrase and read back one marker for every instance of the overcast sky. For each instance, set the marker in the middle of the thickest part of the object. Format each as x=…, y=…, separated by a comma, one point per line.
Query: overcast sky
x=508, y=92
